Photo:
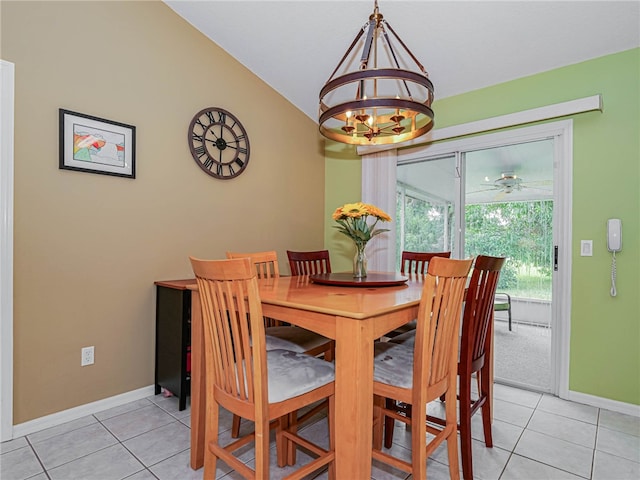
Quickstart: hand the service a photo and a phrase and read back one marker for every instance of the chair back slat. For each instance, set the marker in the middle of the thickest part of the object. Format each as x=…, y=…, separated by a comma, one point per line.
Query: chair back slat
x=417, y=262
x=436, y=343
x=266, y=263
x=233, y=327
x=309, y=263
x=478, y=309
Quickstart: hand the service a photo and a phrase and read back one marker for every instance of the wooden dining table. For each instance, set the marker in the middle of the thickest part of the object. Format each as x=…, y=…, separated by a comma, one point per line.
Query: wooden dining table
x=355, y=317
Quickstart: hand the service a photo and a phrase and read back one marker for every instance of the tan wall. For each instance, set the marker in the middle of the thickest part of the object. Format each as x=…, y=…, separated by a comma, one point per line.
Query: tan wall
x=88, y=247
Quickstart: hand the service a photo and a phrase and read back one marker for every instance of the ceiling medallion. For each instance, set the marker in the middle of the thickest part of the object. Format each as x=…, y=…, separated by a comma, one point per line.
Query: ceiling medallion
x=386, y=100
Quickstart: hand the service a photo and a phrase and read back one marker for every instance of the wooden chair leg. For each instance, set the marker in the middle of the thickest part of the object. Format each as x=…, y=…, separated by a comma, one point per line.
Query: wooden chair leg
x=389, y=424
x=465, y=427
x=262, y=449
x=451, y=422
x=235, y=426
x=486, y=408
x=211, y=435
x=419, y=441
x=282, y=453
x=290, y=446
x=379, y=421
x=332, y=435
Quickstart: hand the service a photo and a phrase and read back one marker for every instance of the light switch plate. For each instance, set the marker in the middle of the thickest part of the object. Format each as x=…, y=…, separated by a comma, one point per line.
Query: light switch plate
x=586, y=248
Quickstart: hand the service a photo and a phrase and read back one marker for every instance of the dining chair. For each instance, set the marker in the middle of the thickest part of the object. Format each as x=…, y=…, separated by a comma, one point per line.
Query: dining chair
x=309, y=263
x=280, y=335
x=416, y=376
x=475, y=354
x=414, y=263
x=242, y=376
x=417, y=262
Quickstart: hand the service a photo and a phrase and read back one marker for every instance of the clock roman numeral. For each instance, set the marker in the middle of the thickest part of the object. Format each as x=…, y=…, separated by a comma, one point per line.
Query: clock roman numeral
x=222, y=117
x=240, y=162
x=208, y=163
x=196, y=137
x=242, y=150
x=210, y=117
x=219, y=169
x=231, y=170
x=200, y=151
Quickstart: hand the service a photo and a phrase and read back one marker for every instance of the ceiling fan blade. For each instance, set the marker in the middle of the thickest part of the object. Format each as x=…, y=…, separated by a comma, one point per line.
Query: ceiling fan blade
x=481, y=191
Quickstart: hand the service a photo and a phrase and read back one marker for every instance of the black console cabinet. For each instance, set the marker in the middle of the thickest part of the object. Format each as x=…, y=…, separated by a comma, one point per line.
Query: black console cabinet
x=173, y=338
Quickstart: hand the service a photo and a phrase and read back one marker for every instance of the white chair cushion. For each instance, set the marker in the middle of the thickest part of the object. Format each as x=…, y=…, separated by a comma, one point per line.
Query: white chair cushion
x=291, y=374
x=393, y=364
x=291, y=338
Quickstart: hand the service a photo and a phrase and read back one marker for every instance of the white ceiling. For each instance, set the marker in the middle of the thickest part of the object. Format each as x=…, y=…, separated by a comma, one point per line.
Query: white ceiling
x=464, y=45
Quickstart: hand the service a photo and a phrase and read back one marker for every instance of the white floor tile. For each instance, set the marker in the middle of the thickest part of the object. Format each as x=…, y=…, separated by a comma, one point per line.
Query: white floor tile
x=620, y=422
x=521, y=468
x=607, y=467
x=556, y=453
x=59, y=429
x=511, y=413
x=505, y=435
x=577, y=411
x=619, y=444
x=535, y=436
x=58, y=450
x=13, y=444
x=159, y=444
x=142, y=475
x=19, y=464
x=119, y=410
x=112, y=463
x=178, y=466
x=516, y=395
x=136, y=422
x=565, y=428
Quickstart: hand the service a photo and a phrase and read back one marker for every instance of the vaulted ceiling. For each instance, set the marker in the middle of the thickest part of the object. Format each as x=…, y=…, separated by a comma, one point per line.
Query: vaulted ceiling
x=464, y=45
x=294, y=46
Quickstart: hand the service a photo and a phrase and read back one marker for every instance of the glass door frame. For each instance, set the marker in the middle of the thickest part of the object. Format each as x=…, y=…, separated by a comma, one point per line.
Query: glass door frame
x=562, y=133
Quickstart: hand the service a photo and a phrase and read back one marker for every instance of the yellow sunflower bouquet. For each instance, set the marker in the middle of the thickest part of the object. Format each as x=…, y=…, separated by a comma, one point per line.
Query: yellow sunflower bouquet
x=352, y=219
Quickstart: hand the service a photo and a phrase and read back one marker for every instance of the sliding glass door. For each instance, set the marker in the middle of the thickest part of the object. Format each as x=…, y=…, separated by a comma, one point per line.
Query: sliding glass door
x=497, y=201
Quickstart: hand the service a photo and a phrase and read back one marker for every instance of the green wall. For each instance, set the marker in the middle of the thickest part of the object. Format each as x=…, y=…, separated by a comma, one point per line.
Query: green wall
x=605, y=331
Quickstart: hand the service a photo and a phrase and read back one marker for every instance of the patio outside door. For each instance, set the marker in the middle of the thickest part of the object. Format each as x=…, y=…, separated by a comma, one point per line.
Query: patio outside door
x=496, y=196
x=509, y=209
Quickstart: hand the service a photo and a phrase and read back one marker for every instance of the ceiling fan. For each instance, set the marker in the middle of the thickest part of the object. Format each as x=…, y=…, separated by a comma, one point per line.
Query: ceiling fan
x=509, y=182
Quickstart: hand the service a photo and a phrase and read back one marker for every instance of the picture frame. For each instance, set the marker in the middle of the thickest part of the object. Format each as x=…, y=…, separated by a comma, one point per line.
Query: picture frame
x=96, y=145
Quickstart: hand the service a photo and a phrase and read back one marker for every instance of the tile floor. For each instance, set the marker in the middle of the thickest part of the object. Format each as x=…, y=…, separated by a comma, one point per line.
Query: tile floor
x=536, y=437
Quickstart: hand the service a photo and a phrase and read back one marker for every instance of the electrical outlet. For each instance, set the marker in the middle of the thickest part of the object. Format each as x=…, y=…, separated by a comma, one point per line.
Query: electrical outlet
x=87, y=356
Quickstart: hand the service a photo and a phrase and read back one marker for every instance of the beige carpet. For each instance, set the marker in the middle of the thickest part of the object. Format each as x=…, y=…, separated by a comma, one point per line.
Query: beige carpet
x=523, y=355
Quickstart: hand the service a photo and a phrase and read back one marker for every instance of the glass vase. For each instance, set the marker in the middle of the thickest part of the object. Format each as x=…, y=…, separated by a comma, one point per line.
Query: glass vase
x=360, y=261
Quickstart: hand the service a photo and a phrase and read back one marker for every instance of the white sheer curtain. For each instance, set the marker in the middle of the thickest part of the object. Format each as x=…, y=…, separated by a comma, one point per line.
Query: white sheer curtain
x=379, y=189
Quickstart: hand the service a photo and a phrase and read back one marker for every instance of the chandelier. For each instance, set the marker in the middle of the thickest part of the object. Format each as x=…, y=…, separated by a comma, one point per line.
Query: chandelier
x=382, y=97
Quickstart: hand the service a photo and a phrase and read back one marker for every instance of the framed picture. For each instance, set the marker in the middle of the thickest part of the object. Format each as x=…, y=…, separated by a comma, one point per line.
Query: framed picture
x=95, y=145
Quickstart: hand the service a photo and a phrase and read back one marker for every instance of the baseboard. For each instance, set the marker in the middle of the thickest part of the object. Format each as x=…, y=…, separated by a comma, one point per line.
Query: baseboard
x=606, y=403
x=65, y=416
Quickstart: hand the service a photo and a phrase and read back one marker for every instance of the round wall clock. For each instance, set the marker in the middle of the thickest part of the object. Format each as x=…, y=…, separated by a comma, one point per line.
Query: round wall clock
x=219, y=143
